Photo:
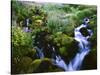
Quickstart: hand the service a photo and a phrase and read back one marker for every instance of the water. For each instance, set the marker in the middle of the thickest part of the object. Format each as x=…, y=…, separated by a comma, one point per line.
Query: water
x=84, y=48
x=40, y=53
x=26, y=28
x=76, y=62
x=58, y=61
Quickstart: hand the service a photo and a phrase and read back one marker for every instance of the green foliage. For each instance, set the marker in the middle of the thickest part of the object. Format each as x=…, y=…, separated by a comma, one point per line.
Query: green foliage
x=66, y=8
x=63, y=39
x=21, y=42
x=48, y=7
x=55, y=23
x=19, y=8
x=82, y=14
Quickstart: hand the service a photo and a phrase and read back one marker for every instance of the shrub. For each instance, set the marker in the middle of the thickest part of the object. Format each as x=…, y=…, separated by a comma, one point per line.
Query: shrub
x=21, y=42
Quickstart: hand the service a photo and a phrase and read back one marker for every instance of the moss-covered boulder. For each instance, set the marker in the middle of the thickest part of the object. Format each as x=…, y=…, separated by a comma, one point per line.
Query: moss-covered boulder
x=21, y=65
x=32, y=54
x=40, y=65
x=67, y=46
x=43, y=65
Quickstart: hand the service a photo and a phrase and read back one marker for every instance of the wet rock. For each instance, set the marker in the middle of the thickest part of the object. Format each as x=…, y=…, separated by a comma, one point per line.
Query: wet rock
x=90, y=61
x=84, y=31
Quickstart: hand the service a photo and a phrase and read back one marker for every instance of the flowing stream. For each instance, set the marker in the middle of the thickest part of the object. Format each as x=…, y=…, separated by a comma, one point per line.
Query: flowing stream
x=76, y=62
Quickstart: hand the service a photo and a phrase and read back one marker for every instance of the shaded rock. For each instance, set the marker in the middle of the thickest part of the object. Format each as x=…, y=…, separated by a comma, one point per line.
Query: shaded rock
x=90, y=61
x=84, y=31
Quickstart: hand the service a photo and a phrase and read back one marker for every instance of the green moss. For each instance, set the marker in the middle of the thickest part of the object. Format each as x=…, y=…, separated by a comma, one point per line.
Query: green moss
x=41, y=65
x=35, y=65
x=63, y=51
x=21, y=65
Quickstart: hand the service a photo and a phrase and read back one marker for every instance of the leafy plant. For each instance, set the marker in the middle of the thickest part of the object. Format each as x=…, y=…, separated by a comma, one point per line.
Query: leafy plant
x=21, y=42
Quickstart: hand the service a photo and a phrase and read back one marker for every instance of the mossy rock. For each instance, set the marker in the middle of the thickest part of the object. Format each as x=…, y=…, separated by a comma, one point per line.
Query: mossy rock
x=34, y=65
x=63, y=51
x=66, y=40
x=67, y=46
x=43, y=65
x=40, y=65
x=22, y=66
x=69, y=51
x=25, y=64
x=63, y=39
x=32, y=54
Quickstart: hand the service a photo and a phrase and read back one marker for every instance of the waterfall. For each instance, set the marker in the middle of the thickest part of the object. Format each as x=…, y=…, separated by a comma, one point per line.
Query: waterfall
x=58, y=61
x=84, y=49
x=26, y=24
x=76, y=62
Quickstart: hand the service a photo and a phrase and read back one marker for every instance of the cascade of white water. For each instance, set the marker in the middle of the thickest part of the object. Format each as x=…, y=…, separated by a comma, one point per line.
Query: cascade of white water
x=84, y=49
x=76, y=62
